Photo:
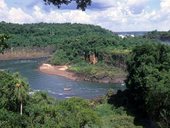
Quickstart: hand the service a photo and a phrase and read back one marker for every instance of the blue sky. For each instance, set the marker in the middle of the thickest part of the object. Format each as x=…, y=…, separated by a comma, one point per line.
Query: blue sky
x=116, y=15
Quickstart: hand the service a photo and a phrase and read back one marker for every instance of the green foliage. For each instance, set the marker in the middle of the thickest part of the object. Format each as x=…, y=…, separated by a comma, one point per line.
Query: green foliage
x=99, y=70
x=72, y=113
x=60, y=58
x=3, y=44
x=40, y=110
x=9, y=95
x=43, y=34
x=78, y=110
x=76, y=49
x=115, y=117
x=74, y=42
x=110, y=50
x=107, y=47
x=10, y=119
x=149, y=81
x=158, y=35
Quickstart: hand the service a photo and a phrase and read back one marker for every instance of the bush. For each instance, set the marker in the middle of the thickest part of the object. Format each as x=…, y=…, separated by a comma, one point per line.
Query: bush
x=115, y=117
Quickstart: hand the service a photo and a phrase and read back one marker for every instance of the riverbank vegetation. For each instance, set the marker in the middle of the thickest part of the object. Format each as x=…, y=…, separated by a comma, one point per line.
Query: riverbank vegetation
x=39, y=110
x=99, y=72
x=26, y=53
x=145, y=102
x=72, y=44
x=87, y=49
x=95, y=52
x=89, y=55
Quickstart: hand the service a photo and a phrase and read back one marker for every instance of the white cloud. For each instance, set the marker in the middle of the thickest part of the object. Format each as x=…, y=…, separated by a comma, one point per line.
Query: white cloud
x=136, y=2
x=17, y=15
x=2, y=4
x=77, y=16
x=58, y=16
x=105, y=2
x=121, y=15
x=137, y=6
x=165, y=4
x=38, y=14
x=3, y=10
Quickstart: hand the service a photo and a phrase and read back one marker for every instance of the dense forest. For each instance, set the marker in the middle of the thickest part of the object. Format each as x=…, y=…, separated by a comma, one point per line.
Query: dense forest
x=148, y=81
x=145, y=101
x=43, y=34
x=145, y=62
x=77, y=45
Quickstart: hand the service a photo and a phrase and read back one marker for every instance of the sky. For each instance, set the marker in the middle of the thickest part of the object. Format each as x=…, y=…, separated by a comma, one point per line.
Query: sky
x=115, y=15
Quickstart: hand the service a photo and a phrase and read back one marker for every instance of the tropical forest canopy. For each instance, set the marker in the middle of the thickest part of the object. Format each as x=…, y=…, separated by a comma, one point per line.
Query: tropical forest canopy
x=43, y=34
x=74, y=44
x=147, y=94
x=147, y=97
x=72, y=40
x=148, y=81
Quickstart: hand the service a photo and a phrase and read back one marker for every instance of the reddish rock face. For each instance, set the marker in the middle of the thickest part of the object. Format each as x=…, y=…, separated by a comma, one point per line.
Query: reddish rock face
x=93, y=59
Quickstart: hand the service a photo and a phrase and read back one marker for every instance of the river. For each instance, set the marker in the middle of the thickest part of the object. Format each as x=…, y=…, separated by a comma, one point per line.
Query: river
x=54, y=85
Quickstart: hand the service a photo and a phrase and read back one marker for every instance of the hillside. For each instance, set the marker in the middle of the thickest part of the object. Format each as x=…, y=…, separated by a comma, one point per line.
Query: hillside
x=43, y=34
x=88, y=49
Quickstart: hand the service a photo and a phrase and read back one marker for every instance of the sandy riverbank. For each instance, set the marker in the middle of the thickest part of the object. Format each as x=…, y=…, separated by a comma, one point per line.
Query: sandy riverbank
x=63, y=71
x=58, y=70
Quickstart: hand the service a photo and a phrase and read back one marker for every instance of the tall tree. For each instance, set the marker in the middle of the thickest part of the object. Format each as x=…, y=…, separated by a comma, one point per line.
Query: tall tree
x=3, y=44
x=13, y=91
x=21, y=92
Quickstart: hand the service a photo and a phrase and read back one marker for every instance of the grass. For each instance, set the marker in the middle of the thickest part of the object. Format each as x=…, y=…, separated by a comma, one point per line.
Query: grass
x=98, y=70
x=116, y=51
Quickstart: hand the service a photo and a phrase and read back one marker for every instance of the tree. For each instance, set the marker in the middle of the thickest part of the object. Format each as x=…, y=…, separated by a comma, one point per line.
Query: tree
x=21, y=93
x=81, y=4
x=149, y=80
x=3, y=44
x=13, y=91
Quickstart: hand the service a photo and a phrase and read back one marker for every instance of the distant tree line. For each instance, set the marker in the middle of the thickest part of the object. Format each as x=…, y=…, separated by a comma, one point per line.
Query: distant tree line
x=158, y=35
x=43, y=34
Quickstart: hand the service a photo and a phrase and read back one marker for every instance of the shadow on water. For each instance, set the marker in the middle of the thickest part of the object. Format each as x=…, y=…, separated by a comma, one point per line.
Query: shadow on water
x=133, y=108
